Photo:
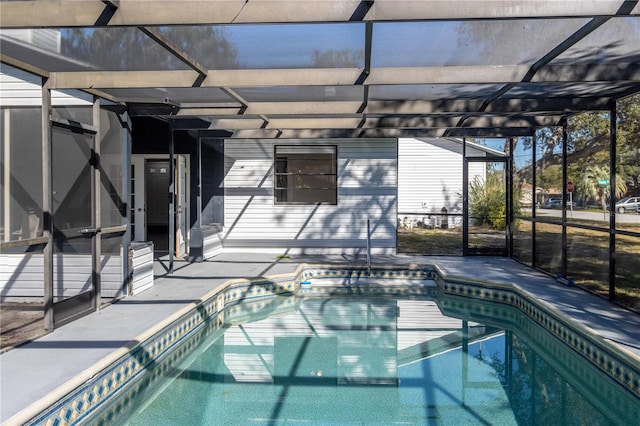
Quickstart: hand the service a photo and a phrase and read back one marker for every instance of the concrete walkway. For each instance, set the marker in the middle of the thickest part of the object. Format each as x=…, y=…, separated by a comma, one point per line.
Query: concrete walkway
x=31, y=371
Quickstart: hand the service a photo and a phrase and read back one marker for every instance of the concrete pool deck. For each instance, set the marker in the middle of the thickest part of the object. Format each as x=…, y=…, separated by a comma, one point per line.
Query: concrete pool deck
x=32, y=371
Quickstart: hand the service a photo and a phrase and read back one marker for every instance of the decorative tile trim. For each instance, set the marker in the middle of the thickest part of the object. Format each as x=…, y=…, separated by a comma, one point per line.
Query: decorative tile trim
x=109, y=414
x=88, y=397
x=624, y=369
x=583, y=376
x=223, y=305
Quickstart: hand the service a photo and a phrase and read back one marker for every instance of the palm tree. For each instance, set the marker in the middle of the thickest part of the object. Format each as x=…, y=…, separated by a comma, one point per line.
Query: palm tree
x=588, y=184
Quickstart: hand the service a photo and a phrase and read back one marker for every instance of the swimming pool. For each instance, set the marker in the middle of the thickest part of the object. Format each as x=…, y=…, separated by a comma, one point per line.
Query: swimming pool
x=360, y=348
x=353, y=360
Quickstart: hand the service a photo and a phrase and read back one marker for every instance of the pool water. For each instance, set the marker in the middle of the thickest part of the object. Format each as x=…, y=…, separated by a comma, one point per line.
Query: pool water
x=372, y=361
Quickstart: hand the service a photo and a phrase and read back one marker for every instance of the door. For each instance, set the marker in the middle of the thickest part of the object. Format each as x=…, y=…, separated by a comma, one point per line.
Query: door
x=181, y=206
x=73, y=224
x=157, y=202
x=138, y=213
x=487, y=222
x=155, y=213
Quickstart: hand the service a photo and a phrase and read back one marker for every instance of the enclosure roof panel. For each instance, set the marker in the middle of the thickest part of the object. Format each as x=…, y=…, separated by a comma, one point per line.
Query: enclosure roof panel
x=381, y=68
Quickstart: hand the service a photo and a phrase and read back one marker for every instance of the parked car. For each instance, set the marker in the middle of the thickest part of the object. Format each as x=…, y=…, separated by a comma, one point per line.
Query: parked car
x=628, y=204
x=553, y=203
x=556, y=203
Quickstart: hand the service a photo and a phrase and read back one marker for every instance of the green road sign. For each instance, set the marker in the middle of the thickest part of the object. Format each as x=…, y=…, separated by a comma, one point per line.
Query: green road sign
x=603, y=182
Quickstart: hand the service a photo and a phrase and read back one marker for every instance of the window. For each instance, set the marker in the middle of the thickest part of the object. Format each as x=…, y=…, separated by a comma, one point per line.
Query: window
x=305, y=174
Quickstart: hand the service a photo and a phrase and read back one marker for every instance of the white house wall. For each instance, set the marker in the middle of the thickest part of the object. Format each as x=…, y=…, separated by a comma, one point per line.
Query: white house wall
x=430, y=176
x=21, y=276
x=367, y=179
x=22, y=89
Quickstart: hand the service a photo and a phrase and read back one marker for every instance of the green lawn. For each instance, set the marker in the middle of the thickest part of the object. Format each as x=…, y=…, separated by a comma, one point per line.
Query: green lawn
x=587, y=255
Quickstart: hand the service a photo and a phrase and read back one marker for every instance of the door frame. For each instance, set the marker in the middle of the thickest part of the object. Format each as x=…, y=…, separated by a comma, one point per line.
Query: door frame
x=68, y=309
x=485, y=251
x=138, y=180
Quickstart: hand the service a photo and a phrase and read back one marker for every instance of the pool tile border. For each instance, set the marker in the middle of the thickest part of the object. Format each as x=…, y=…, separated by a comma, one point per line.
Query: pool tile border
x=218, y=306
x=619, y=364
x=579, y=370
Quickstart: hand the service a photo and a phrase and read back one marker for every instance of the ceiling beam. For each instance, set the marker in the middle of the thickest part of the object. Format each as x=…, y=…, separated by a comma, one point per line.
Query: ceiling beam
x=342, y=76
x=122, y=79
x=302, y=108
x=50, y=14
x=313, y=123
x=480, y=74
x=9, y=60
x=379, y=133
x=561, y=105
x=86, y=13
x=512, y=106
x=485, y=121
x=576, y=72
x=386, y=111
x=207, y=110
x=235, y=123
x=386, y=123
x=282, y=77
x=490, y=9
x=407, y=110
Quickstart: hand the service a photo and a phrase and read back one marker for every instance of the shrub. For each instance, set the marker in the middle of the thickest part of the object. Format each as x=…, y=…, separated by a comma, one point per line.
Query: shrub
x=487, y=202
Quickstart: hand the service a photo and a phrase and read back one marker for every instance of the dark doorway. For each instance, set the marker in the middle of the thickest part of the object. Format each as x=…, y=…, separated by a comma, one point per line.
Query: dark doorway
x=157, y=195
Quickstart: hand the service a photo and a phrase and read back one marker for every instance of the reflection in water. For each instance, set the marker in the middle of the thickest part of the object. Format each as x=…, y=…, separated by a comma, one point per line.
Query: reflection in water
x=369, y=361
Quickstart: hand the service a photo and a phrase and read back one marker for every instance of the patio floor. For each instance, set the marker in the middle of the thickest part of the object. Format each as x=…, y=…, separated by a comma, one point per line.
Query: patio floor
x=32, y=371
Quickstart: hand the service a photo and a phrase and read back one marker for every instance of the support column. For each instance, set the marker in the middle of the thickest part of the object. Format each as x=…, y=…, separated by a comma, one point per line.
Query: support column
x=96, y=239
x=534, y=206
x=196, y=242
x=172, y=196
x=510, y=201
x=465, y=198
x=6, y=178
x=563, y=269
x=613, y=136
x=47, y=207
x=125, y=208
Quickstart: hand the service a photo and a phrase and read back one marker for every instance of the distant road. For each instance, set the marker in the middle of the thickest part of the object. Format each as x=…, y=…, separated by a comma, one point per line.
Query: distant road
x=591, y=215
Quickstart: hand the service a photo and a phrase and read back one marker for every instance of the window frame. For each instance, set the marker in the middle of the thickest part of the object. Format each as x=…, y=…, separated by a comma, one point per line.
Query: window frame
x=276, y=174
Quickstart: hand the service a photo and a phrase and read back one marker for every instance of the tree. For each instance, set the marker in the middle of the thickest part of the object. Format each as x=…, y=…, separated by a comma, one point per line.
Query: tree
x=628, y=149
x=588, y=184
x=588, y=146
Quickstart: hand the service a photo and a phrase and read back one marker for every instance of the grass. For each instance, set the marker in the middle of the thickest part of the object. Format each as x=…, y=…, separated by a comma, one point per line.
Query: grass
x=430, y=241
x=587, y=254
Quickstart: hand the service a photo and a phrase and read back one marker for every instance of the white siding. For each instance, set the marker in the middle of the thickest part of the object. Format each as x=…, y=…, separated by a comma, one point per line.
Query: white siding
x=141, y=266
x=430, y=176
x=367, y=178
x=21, y=275
x=21, y=89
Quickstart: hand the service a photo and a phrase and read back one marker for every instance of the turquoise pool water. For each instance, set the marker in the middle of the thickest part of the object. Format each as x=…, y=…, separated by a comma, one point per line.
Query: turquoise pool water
x=366, y=360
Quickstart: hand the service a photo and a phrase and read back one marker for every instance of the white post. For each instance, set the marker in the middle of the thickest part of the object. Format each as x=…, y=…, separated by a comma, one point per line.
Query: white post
x=571, y=202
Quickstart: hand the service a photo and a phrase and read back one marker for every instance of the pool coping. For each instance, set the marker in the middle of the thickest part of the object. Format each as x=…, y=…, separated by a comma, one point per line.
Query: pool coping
x=68, y=402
